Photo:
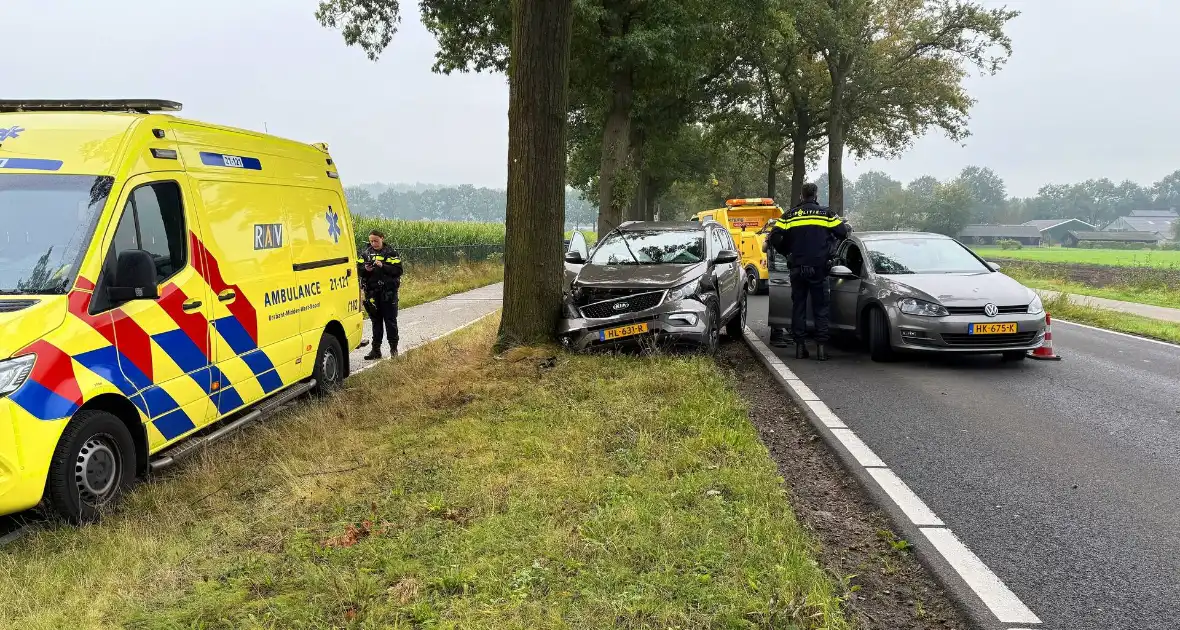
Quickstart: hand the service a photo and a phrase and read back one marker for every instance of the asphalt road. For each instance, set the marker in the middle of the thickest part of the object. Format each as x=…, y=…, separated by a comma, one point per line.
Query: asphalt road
x=1063, y=477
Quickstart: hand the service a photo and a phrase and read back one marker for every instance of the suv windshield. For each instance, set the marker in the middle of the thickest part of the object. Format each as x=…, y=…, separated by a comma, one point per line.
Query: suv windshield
x=921, y=255
x=45, y=226
x=651, y=247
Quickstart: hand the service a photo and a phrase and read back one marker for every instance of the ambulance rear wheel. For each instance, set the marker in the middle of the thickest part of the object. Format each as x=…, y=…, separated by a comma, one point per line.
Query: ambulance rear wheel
x=329, y=366
x=94, y=463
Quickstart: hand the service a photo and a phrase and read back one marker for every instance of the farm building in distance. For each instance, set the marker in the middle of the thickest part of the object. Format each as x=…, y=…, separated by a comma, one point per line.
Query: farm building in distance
x=1072, y=238
x=1162, y=223
x=989, y=234
x=1053, y=231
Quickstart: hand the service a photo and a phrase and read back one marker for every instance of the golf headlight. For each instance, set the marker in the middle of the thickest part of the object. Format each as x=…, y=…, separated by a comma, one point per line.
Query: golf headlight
x=1035, y=307
x=912, y=306
x=685, y=291
x=14, y=373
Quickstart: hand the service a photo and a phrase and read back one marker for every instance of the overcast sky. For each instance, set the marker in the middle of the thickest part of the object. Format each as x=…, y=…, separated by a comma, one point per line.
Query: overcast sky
x=1086, y=94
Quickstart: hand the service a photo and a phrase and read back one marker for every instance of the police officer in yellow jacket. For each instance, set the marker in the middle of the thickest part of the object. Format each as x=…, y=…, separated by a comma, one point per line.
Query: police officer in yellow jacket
x=380, y=271
x=804, y=235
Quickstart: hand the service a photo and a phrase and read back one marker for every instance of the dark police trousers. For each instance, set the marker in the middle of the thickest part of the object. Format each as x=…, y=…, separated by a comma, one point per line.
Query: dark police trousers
x=809, y=283
x=382, y=310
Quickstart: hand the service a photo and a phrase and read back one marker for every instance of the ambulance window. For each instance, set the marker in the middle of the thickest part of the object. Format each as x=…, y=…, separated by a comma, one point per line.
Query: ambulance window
x=153, y=221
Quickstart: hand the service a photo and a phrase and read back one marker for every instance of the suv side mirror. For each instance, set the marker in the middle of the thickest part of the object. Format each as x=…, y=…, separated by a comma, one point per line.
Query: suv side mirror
x=840, y=271
x=574, y=258
x=994, y=266
x=726, y=256
x=135, y=277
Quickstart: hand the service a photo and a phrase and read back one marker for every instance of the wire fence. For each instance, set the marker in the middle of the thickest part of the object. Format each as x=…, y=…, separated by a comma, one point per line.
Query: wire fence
x=449, y=254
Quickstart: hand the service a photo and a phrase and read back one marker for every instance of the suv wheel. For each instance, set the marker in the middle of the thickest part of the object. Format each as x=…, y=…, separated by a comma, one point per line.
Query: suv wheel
x=713, y=333
x=736, y=326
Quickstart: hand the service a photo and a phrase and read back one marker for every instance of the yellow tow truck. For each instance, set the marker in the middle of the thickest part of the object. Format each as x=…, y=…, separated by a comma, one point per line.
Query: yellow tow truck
x=747, y=220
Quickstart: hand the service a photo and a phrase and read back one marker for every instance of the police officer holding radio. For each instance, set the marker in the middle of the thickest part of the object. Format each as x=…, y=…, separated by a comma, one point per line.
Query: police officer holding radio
x=380, y=271
x=805, y=235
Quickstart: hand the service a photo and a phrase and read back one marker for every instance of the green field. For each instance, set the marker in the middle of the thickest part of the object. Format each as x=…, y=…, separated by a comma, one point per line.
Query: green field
x=1109, y=257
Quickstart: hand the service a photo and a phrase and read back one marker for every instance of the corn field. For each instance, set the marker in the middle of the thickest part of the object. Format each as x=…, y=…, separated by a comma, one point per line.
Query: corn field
x=435, y=242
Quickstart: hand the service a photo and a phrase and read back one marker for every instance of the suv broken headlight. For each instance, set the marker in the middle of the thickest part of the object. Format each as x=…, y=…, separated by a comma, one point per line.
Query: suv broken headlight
x=685, y=291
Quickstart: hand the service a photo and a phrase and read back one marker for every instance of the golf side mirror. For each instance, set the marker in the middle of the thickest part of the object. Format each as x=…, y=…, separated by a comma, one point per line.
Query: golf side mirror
x=994, y=266
x=840, y=271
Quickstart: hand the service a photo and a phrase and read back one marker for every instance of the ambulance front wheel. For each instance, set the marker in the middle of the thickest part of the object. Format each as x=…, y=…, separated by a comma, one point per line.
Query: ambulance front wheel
x=94, y=463
x=329, y=365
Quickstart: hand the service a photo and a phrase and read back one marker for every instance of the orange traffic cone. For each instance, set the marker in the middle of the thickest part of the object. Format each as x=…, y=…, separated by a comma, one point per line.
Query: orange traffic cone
x=1045, y=352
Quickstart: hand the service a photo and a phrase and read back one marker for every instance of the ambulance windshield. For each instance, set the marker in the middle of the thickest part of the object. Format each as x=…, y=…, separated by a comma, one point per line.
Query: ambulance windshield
x=45, y=226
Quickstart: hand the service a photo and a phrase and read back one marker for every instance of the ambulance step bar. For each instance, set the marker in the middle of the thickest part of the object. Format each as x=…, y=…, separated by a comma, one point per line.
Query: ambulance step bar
x=267, y=408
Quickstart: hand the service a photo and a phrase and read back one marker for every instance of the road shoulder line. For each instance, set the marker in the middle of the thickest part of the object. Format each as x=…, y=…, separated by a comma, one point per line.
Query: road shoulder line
x=1115, y=332
x=978, y=592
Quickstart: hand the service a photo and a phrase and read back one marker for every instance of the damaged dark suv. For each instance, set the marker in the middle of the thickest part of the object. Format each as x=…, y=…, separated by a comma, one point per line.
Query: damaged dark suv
x=665, y=283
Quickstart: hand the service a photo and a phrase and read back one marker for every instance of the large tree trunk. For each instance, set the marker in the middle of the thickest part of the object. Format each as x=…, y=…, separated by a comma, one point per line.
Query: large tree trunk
x=836, y=147
x=772, y=172
x=538, y=97
x=636, y=210
x=615, y=144
x=799, y=155
x=650, y=194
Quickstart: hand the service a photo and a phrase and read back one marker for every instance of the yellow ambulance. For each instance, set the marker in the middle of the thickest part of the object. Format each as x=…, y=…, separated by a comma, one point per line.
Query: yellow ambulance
x=158, y=276
x=747, y=219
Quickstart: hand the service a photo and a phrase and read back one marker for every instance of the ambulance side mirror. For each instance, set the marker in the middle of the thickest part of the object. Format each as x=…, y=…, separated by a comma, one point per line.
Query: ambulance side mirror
x=135, y=277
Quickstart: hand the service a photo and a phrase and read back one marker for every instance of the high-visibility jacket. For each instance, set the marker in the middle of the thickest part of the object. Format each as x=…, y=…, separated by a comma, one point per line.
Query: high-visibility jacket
x=382, y=279
x=804, y=234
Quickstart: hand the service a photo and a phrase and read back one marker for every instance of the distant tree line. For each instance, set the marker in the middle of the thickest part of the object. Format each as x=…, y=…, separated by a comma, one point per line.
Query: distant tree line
x=977, y=195
x=451, y=203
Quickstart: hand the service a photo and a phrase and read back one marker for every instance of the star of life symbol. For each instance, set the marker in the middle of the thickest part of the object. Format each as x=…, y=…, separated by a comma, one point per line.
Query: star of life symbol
x=11, y=132
x=333, y=224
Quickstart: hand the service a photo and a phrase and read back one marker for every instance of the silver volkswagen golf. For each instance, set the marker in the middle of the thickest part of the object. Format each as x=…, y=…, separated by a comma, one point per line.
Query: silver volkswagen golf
x=917, y=291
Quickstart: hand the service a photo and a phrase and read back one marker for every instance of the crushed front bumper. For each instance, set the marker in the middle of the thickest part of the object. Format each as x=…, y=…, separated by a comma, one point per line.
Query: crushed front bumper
x=672, y=322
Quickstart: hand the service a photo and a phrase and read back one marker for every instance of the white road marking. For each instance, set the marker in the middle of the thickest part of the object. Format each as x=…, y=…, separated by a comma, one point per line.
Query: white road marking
x=914, y=507
x=825, y=415
x=1115, y=332
x=803, y=390
x=861, y=451
x=1003, y=603
x=457, y=308
x=986, y=585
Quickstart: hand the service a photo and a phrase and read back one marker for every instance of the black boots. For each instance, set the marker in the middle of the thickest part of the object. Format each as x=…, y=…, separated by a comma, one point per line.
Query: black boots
x=821, y=352
x=373, y=355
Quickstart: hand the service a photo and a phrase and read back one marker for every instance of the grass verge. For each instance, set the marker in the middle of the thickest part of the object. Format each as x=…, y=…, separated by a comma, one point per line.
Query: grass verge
x=1108, y=257
x=534, y=490
x=1061, y=307
x=1154, y=297
x=427, y=283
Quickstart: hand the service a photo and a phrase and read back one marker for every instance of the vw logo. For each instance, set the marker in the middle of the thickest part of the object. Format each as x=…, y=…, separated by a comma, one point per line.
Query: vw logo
x=619, y=306
x=990, y=310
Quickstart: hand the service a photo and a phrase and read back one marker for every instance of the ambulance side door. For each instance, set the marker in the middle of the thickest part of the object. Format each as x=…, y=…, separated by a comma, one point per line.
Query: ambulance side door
x=162, y=344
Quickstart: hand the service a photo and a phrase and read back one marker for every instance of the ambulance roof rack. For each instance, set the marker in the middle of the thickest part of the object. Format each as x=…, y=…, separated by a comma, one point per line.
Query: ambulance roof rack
x=136, y=105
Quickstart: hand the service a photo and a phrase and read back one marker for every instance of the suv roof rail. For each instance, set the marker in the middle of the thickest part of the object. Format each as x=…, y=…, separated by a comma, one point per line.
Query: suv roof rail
x=137, y=105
